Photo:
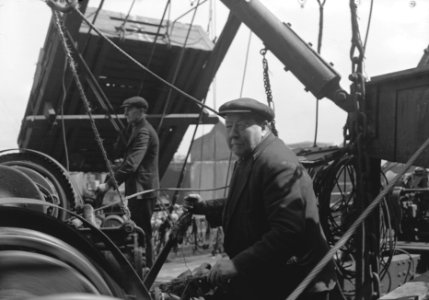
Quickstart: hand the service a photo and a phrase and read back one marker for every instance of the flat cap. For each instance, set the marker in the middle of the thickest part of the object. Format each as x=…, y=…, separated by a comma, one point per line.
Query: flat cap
x=247, y=105
x=136, y=101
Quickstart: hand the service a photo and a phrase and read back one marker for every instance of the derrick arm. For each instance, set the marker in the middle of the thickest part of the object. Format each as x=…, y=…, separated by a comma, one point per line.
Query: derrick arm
x=308, y=67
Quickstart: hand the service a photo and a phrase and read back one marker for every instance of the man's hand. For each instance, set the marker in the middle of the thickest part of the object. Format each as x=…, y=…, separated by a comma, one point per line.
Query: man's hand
x=102, y=188
x=222, y=271
x=193, y=202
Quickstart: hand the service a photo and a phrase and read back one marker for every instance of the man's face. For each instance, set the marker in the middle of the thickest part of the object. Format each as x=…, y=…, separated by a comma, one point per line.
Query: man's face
x=133, y=114
x=243, y=133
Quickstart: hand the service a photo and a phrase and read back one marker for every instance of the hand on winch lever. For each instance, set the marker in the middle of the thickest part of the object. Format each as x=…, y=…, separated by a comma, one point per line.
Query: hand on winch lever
x=194, y=203
x=102, y=188
x=222, y=271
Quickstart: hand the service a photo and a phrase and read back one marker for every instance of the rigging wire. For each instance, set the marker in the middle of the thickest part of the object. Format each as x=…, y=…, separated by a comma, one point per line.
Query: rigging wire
x=176, y=71
x=319, y=49
x=189, y=97
x=209, y=23
x=182, y=172
x=122, y=26
x=152, y=52
x=113, y=203
x=99, y=92
x=246, y=60
x=214, y=138
x=97, y=12
x=368, y=25
x=63, y=126
x=58, y=22
x=187, y=12
x=211, y=26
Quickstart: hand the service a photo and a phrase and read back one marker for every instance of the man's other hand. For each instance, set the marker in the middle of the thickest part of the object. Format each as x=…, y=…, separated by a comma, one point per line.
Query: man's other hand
x=102, y=188
x=193, y=202
x=223, y=270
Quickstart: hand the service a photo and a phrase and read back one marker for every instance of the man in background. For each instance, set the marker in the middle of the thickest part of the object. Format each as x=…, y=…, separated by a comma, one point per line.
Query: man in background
x=139, y=169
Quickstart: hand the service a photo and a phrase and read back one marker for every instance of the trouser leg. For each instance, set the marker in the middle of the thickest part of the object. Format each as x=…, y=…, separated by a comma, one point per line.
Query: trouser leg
x=141, y=213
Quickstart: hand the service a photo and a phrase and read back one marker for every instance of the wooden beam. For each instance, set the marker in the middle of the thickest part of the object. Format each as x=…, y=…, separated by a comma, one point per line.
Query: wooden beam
x=80, y=120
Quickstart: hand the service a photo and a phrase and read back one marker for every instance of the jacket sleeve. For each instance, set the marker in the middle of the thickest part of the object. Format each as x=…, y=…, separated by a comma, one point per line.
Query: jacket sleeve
x=213, y=209
x=134, y=157
x=284, y=206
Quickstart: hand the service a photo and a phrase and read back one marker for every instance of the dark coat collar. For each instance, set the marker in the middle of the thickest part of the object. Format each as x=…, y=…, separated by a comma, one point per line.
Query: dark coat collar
x=239, y=182
x=263, y=144
x=135, y=128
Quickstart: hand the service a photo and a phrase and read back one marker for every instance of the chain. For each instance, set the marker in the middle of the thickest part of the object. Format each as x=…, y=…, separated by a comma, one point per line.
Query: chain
x=73, y=67
x=359, y=127
x=267, y=86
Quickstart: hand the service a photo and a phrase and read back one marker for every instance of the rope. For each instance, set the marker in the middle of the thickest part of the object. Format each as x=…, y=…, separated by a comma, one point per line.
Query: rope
x=342, y=241
x=79, y=85
x=189, y=97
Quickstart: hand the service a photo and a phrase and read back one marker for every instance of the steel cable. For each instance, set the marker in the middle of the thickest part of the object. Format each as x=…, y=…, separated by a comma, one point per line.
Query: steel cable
x=176, y=74
x=152, y=51
x=319, y=49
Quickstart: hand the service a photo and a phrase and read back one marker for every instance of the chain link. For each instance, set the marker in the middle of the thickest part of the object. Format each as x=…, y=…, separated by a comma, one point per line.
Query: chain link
x=360, y=137
x=73, y=67
x=267, y=86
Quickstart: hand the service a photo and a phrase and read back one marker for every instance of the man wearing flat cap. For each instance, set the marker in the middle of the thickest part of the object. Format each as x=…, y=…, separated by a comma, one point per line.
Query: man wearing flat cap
x=272, y=234
x=139, y=169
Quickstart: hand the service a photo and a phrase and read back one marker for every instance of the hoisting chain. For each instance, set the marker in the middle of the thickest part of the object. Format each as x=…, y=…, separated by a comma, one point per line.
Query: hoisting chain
x=73, y=68
x=267, y=86
x=358, y=118
x=360, y=138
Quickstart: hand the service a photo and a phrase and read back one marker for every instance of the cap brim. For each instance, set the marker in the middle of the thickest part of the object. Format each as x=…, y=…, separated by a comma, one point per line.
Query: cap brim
x=235, y=111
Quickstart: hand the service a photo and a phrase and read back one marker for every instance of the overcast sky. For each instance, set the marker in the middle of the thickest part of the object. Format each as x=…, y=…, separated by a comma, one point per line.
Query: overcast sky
x=398, y=35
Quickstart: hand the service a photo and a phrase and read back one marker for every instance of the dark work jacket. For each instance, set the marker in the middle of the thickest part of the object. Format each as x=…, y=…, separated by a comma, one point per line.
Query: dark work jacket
x=271, y=224
x=139, y=170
